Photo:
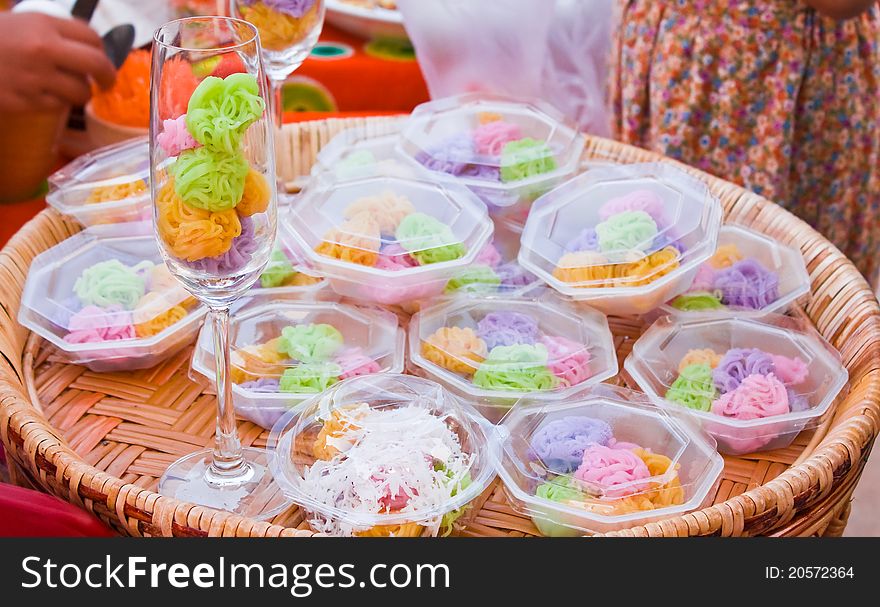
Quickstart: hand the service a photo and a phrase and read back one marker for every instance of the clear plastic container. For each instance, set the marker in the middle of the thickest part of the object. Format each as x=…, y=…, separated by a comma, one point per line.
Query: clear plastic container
x=624, y=239
x=105, y=300
x=387, y=240
x=749, y=272
x=495, y=350
x=718, y=371
x=287, y=276
x=493, y=273
x=603, y=460
x=383, y=455
x=109, y=185
x=358, y=153
x=274, y=369
x=509, y=152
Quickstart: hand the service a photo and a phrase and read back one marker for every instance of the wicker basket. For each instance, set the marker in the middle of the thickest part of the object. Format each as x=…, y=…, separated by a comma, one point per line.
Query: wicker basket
x=102, y=440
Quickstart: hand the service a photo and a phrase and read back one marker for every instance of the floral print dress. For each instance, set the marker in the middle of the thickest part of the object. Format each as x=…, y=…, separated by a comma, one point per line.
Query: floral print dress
x=766, y=93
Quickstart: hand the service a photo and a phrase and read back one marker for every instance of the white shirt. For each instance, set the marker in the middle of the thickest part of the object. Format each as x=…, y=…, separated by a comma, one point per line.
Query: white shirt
x=145, y=15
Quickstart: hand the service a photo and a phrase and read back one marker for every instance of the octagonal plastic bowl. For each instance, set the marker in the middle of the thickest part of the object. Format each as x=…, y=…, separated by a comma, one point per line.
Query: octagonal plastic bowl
x=383, y=455
x=802, y=401
x=105, y=299
x=387, y=240
x=358, y=153
x=368, y=341
x=557, y=457
x=495, y=350
x=507, y=151
x=749, y=272
x=109, y=185
x=624, y=239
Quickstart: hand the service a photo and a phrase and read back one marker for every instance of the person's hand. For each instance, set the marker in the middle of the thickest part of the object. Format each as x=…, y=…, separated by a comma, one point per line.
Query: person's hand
x=46, y=62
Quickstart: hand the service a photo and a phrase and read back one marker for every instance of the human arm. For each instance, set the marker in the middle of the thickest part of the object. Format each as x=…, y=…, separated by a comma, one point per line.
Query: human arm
x=47, y=62
x=841, y=9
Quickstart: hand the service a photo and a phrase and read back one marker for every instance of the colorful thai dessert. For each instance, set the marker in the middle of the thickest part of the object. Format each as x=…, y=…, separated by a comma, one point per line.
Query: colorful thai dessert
x=303, y=359
x=507, y=351
x=585, y=467
x=507, y=152
x=114, y=301
x=281, y=23
x=628, y=247
x=730, y=279
x=108, y=185
x=210, y=200
x=386, y=232
x=386, y=461
x=489, y=274
x=741, y=384
x=281, y=272
x=495, y=150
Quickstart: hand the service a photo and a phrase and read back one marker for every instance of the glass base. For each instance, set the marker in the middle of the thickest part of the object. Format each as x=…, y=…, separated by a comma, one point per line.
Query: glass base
x=253, y=494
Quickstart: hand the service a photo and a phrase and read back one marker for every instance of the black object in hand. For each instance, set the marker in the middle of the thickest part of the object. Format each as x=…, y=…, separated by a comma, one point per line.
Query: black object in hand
x=118, y=43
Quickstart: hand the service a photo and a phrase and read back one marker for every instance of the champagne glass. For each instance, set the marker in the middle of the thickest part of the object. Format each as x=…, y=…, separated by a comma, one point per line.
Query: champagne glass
x=288, y=30
x=212, y=168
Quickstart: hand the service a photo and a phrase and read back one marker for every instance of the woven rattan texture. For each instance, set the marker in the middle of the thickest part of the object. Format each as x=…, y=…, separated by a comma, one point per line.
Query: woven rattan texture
x=101, y=441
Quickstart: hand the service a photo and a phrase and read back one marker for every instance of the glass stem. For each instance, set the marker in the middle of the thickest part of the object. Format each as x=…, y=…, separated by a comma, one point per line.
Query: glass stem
x=276, y=85
x=227, y=459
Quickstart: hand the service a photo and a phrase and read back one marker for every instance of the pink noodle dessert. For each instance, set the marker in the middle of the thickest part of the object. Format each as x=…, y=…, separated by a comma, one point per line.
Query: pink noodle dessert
x=567, y=360
x=95, y=324
x=640, y=200
x=490, y=138
x=607, y=467
x=354, y=362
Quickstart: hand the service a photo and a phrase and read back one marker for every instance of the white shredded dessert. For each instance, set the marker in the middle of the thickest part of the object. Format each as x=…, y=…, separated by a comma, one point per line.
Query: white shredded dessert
x=407, y=455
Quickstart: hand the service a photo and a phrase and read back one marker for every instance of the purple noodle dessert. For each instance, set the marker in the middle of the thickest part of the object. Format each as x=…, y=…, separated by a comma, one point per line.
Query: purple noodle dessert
x=238, y=255
x=560, y=444
x=507, y=328
x=747, y=284
x=739, y=363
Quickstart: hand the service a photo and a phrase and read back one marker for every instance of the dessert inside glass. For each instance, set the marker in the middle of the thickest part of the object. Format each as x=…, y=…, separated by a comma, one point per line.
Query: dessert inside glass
x=214, y=196
x=383, y=455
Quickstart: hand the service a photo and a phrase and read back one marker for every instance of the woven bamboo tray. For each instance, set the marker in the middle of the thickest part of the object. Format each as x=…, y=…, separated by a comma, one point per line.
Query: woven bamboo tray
x=101, y=441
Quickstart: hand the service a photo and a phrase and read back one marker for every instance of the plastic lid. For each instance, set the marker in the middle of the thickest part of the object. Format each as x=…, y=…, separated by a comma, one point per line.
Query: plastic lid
x=287, y=273
x=509, y=348
x=699, y=366
x=104, y=288
x=748, y=272
x=286, y=351
x=605, y=456
x=624, y=227
x=485, y=140
x=388, y=227
x=382, y=455
x=492, y=273
x=357, y=153
x=112, y=177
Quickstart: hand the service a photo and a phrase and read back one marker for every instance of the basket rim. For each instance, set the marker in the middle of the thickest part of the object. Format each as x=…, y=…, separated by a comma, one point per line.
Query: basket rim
x=819, y=475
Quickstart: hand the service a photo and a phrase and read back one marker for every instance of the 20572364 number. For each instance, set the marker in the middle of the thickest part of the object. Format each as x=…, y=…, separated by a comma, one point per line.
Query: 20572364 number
x=819, y=573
